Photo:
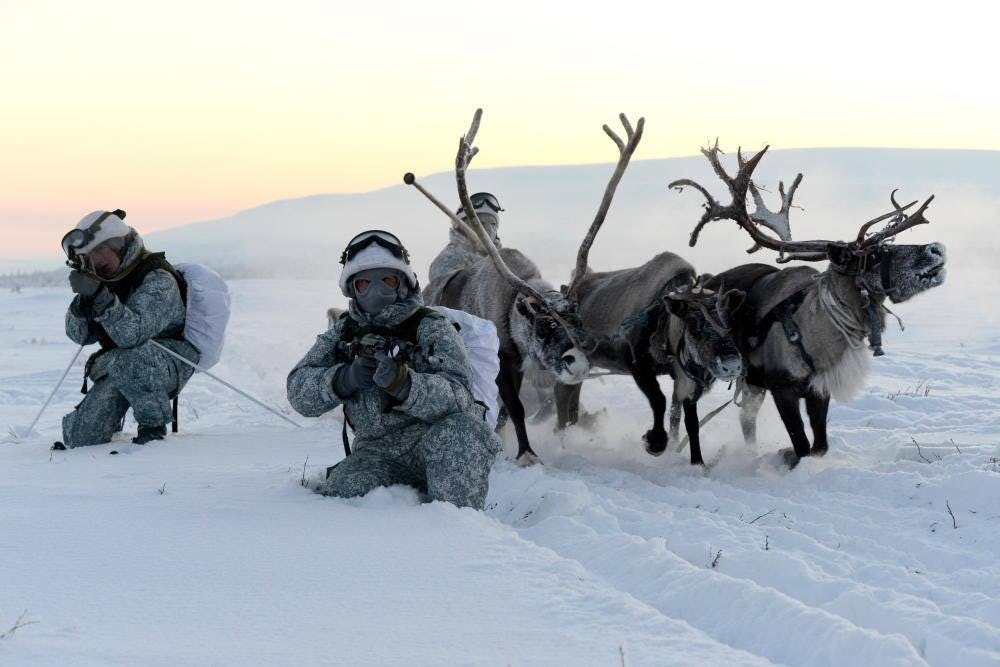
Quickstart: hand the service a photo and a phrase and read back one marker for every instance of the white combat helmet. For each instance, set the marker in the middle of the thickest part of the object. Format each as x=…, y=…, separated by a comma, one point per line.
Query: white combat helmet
x=94, y=229
x=374, y=249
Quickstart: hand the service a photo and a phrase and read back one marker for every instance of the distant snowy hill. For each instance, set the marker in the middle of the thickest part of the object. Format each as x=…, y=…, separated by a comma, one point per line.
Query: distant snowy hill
x=549, y=208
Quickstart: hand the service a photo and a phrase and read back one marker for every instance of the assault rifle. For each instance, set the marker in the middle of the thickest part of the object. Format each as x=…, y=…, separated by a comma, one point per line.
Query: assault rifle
x=371, y=344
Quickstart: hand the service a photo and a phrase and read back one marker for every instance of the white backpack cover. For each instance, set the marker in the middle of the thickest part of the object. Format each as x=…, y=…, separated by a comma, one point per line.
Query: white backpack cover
x=208, y=306
x=483, y=348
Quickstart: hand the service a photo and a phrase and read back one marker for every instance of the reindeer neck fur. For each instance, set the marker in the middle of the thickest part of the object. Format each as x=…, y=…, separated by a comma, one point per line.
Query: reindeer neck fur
x=834, y=325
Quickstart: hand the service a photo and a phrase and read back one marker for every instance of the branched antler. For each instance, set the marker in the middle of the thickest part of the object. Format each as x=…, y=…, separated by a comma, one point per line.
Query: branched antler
x=901, y=221
x=736, y=210
x=738, y=187
x=625, y=150
x=809, y=251
x=778, y=221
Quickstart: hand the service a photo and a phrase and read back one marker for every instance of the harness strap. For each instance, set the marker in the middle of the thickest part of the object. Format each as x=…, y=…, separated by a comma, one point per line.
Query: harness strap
x=347, y=443
x=783, y=313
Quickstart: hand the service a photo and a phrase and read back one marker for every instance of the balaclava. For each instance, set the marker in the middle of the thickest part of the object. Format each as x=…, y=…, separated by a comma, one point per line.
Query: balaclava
x=379, y=295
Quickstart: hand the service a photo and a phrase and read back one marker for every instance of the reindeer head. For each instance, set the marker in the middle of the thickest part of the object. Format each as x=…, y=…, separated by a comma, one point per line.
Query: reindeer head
x=559, y=347
x=706, y=317
x=883, y=268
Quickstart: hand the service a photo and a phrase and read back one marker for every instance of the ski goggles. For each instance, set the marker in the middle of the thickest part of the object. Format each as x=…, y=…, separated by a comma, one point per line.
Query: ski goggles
x=377, y=237
x=481, y=199
x=79, y=238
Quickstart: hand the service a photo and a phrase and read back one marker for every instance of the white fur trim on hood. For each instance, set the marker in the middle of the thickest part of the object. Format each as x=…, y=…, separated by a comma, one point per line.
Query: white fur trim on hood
x=374, y=256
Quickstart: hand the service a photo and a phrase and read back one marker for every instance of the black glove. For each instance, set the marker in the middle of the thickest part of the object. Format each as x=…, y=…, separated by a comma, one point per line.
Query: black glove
x=392, y=376
x=349, y=380
x=83, y=284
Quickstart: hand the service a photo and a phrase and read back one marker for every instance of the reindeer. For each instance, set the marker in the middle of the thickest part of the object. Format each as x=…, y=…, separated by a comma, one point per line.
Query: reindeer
x=538, y=325
x=801, y=332
x=661, y=319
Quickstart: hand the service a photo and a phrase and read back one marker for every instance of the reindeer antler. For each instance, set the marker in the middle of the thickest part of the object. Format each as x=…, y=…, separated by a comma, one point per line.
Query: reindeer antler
x=625, y=150
x=901, y=221
x=466, y=151
x=699, y=296
x=736, y=209
x=778, y=221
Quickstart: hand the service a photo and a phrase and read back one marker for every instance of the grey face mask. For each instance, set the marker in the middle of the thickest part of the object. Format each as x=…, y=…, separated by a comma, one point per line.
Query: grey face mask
x=378, y=295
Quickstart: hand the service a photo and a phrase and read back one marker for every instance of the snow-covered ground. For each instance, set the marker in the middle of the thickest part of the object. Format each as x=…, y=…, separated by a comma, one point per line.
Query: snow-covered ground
x=205, y=549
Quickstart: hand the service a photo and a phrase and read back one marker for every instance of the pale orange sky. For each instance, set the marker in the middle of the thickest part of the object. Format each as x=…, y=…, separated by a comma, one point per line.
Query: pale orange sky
x=185, y=111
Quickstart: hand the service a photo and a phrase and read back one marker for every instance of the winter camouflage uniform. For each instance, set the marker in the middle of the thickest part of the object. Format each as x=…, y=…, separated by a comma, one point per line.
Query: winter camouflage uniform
x=134, y=374
x=435, y=440
x=460, y=251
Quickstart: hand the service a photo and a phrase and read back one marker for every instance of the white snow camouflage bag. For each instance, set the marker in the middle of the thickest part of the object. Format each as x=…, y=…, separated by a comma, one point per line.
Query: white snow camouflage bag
x=483, y=347
x=208, y=307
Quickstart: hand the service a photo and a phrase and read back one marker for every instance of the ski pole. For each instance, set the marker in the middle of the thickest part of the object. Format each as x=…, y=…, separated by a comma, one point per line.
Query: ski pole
x=54, y=390
x=223, y=382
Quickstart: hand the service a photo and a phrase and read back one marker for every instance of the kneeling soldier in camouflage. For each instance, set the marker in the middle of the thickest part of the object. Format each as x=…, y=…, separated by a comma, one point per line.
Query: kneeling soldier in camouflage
x=125, y=297
x=403, y=375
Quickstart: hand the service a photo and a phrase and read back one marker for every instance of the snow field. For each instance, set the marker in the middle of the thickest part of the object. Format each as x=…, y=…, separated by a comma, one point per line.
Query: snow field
x=849, y=559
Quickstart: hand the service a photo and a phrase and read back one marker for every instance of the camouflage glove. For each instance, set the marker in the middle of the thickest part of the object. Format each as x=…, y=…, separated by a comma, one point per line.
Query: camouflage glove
x=350, y=379
x=83, y=284
x=392, y=376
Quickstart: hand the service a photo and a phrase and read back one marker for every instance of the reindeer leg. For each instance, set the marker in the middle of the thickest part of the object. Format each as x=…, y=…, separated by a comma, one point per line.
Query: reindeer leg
x=753, y=398
x=692, y=427
x=816, y=408
x=645, y=378
x=567, y=404
x=509, y=386
x=675, y=419
x=787, y=402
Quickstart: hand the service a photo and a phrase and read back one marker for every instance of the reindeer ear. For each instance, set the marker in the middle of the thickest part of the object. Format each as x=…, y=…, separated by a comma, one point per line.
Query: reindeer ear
x=733, y=300
x=839, y=253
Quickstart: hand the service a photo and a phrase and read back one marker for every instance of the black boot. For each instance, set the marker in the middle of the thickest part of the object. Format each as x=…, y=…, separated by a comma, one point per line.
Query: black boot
x=58, y=446
x=147, y=433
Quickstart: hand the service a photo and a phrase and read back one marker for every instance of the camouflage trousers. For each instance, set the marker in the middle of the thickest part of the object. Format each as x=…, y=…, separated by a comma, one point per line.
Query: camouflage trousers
x=143, y=378
x=449, y=461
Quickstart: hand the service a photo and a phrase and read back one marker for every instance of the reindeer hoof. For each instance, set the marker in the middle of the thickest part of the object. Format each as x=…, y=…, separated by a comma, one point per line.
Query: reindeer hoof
x=528, y=459
x=818, y=451
x=790, y=458
x=656, y=443
x=589, y=421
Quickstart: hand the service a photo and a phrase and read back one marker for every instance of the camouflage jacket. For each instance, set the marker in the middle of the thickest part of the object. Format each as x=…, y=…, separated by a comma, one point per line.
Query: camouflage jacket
x=153, y=310
x=441, y=382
